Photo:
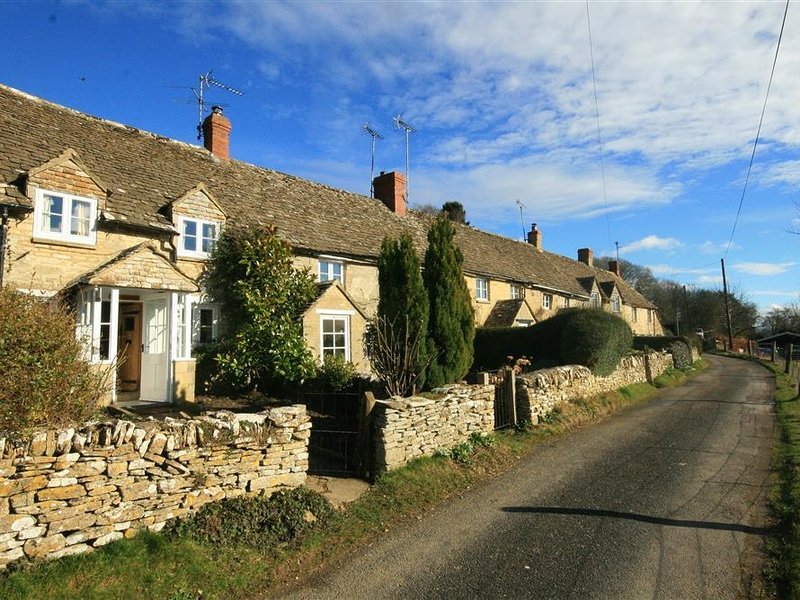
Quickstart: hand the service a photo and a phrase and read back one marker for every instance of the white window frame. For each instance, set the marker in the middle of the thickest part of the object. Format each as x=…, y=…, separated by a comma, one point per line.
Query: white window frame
x=199, y=224
x=547, y=301
x=196, y=310
x=328, y=272
x=634, y=314
x=517, y=292
x=63, y=234
x=594, y=299
x=616, y=304
x=482, y=289
x=566, y=302
x=343, y=316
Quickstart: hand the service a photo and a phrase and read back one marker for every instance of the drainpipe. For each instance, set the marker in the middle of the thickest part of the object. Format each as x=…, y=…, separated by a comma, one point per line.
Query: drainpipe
x=3, y=243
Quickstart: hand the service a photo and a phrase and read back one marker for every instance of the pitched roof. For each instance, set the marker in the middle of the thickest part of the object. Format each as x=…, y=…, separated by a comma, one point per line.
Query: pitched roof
x=504, y=313
x=146, y=172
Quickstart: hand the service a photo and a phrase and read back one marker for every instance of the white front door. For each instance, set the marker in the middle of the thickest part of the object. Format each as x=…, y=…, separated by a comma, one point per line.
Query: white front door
x=155, y=353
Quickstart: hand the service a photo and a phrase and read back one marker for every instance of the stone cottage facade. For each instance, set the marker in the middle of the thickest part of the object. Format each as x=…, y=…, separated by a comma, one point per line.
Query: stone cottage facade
x=122, y=222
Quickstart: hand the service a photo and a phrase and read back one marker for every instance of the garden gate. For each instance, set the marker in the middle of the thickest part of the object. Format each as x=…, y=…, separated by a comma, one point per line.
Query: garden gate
x=505, y=403
x=336, y=424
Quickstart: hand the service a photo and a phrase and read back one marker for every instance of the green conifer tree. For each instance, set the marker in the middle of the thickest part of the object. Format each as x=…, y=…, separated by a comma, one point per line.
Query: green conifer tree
x=403, y=309
x=451, y=323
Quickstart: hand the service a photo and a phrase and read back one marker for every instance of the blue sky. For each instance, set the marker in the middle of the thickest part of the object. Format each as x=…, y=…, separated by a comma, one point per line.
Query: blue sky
x=502, y=98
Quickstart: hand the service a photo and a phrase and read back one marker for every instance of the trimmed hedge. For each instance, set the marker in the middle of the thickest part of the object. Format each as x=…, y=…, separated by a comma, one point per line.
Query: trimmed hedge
x=679, y=347
x=498, y=346
x=608, y=338
x=596, y=339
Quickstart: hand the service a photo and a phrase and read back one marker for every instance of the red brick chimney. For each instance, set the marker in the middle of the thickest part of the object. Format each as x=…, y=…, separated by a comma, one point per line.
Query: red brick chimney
x=613, y=266
x=390, y=188
x=217, y=133
x=535, y=237
x=586, y=256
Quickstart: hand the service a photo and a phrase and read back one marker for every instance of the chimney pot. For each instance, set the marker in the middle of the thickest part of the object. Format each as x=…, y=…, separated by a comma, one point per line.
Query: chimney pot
x=217, y=133
x=535, y=237
x=390, y=188
x=586, y=256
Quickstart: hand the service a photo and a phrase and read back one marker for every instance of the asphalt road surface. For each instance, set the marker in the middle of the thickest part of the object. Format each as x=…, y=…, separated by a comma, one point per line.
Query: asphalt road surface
x=667, y=500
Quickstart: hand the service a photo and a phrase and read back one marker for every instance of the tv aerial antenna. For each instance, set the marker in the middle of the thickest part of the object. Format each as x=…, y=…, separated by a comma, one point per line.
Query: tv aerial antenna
x=370, y=131
x=521, y=220
x=206, y=80
x=399, y=123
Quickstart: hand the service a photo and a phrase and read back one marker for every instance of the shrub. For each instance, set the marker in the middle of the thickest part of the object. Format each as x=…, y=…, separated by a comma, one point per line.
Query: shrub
x=596, y=339
x=396, y=340
x=45, y=380
x=335, y=374
x=678, y=346
x=251, y=272
x=255, y=521
x=451, y=324
x=497, y=346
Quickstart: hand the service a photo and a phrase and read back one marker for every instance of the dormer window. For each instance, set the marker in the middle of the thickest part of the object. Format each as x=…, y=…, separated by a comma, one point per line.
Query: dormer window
x=615, y=303
x=331, y=270
x=197, y=238
x=66, y=218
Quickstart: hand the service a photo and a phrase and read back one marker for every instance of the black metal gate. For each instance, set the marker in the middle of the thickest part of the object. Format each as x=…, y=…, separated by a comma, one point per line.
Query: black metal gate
x=335, y=444
x=505, y=414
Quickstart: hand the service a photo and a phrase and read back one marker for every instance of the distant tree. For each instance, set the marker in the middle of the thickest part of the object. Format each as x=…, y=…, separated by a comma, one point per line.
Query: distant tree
x=396, y=340
x=455, y=212
x=451, y=325
x=251, y=273
x=779, y=319
x=426, y=209
x=640, y=277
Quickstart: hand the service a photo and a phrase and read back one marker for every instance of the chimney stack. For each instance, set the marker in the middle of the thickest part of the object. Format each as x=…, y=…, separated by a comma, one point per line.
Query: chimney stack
x=217, y=133
x=535, y=237
x=586, y=256
x=613, y=266
x=390, y=188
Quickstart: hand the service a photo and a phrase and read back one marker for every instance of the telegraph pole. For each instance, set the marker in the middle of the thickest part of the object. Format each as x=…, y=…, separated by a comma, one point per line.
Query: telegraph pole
x=727, y=308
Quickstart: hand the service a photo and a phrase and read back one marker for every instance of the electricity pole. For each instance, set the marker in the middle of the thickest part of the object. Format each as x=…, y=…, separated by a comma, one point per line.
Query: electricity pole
x=727, y=308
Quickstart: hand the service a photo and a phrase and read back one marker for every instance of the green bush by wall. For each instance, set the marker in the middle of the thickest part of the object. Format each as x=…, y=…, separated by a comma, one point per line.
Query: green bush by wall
x=596, y=339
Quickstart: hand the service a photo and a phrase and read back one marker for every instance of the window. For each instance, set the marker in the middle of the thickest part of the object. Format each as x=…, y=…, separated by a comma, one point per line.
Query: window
x=517, y=291
x=524, y=323
x=615, y=304
x=649, y=316
x=634, y=316
x=205, y=323
x=594, y=299
x=197, y=238
x=65, y=217
x=565, y=303
x=335, y=334
x=481, y=288
x=547, y=301
x=331, y=270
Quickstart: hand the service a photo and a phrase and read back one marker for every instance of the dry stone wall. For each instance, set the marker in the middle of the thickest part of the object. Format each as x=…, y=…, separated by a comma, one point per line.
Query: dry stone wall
x=406, y=428
x=69, y=491
x=539, y=392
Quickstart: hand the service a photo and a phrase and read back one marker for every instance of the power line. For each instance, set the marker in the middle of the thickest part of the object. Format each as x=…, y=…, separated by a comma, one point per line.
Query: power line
x=597, y=118
x=758, y=132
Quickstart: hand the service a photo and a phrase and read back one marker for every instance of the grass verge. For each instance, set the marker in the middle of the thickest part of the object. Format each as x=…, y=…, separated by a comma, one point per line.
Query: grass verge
x=784, y=548
x=154, y=566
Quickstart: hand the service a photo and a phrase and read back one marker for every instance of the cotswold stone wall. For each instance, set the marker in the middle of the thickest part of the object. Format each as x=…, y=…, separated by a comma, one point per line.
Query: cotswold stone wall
x=539, y=392
x=68, y=491
x=405, y=428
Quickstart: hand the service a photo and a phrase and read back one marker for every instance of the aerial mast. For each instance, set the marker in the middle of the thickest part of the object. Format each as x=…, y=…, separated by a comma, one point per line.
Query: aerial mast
x=368, y=129
x=207, y=80
x=399, y=123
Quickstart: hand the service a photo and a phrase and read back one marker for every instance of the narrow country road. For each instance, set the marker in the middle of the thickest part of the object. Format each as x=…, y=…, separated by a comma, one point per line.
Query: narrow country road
x=667, y=500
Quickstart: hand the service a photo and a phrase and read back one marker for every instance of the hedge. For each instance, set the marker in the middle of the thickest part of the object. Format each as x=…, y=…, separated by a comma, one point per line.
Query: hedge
x=544, y=343
x=680, y=347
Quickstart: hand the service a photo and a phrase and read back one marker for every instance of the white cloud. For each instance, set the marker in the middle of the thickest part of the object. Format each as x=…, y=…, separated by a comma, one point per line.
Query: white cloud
x=709, y=280
x=762, y=268
x=709, y=247
x=651, y=242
